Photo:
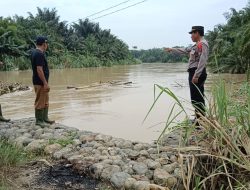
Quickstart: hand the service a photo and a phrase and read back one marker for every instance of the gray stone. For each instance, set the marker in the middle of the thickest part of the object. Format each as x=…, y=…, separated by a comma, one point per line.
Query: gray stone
x=119, y=179
x=130, y=184
x=139, y=147
x=75, y=159
x=22, y=141
x=173, y=158
x=103, y=138
x=170, y=167
x=152, y=151
x=96, y=170
x=96, y=144
x=124, y=144
x=46, y=136
x=150, y=174
x=62, y=153
x=76, y=142
x=141, y=159
x=154, y=156
x=127, y=169
x=141, y=185
x=109, y=171
x=140, y=168
x=118, y=162
x=52, y=148
x=178, y=172
x=157, y=187
x=21, y=131
x=38, y=133
x=163, y=178
x=152, y=165
x=110, y=144
x=144, y=153
x=163, y=161
x=107, y=161
x=36, y=145
x=101, y=158
x=28, y=135
x=132, y=154
x=105, y=153
x=86, y=150
x=87, y=138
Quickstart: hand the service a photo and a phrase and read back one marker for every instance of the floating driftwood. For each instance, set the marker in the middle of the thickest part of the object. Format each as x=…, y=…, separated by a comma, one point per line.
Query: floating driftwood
x=6, y=88
x=110, y=83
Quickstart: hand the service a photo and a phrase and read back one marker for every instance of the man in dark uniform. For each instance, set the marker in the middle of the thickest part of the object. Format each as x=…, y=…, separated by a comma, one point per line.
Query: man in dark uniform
x=198, y=57
x=40, y=81
x=2, y=119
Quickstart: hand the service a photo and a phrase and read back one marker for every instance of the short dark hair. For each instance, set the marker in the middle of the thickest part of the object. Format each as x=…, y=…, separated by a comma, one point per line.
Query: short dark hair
x=40, y=40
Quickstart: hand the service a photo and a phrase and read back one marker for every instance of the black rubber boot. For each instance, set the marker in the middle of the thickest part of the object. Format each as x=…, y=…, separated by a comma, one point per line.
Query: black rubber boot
x=39, y=118
x=2, y=119
x=46, y=117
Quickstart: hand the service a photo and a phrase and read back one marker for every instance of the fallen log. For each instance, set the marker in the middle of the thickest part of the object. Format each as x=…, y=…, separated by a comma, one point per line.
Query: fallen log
x=112, y=83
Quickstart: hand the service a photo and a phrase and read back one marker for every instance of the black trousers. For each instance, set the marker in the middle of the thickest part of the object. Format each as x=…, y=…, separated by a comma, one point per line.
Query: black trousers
x=197, y=91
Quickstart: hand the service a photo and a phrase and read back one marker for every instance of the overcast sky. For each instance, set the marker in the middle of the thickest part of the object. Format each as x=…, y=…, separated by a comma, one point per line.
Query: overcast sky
x=154, y=23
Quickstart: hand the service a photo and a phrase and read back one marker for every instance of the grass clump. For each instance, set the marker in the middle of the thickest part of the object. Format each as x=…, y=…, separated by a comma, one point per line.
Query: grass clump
x=64, y=141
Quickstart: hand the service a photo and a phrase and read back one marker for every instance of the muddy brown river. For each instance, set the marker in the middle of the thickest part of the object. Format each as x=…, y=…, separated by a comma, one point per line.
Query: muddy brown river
x=115, y=109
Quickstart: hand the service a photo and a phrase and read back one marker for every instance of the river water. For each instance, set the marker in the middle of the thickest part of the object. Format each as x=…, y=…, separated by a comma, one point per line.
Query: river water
x=98, y=106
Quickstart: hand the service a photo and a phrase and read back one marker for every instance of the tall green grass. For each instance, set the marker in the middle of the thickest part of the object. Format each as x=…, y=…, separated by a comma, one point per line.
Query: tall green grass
x=223, y=157
x=11, y=155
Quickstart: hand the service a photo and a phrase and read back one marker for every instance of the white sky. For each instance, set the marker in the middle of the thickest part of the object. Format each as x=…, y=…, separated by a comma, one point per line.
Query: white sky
x=155, y=23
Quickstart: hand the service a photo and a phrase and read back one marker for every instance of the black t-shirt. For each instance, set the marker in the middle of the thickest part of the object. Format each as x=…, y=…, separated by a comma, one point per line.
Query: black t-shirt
x=38, y=59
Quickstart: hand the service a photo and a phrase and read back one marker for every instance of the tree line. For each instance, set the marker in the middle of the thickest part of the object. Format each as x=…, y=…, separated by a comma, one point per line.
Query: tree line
x=81, y=44
x=158, y=55
x=230, y=43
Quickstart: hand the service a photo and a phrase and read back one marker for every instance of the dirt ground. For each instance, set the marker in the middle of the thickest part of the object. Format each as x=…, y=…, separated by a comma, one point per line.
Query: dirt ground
x=38, y=175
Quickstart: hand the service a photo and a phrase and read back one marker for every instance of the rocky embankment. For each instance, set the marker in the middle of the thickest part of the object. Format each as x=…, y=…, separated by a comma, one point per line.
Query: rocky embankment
x=6, y=88
x=126, y=164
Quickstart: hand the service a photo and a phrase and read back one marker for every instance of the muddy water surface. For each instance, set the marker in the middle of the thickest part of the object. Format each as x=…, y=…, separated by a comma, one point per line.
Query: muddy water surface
x=113, y=109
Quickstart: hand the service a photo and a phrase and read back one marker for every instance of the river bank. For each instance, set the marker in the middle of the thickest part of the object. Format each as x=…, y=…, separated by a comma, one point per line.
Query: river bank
x=125, y=164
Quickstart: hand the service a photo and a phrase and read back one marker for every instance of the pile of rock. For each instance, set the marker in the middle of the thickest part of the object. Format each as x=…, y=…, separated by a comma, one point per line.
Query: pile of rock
x=6, y=88
x=126, y=164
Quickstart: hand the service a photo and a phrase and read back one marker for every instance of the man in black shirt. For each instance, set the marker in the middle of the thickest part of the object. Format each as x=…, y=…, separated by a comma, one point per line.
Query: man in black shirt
x=40, y=81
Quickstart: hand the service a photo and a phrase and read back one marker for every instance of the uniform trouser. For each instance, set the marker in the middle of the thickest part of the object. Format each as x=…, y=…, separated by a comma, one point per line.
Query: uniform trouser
x=197, y=92
x=42, y=97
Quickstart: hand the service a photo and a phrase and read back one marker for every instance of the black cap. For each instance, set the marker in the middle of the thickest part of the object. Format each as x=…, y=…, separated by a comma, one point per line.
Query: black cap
x=197, y=28
x=40, y=40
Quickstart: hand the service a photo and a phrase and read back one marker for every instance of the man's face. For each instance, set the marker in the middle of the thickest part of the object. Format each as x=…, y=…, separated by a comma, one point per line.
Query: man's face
x=195, y=36
x=46, y=46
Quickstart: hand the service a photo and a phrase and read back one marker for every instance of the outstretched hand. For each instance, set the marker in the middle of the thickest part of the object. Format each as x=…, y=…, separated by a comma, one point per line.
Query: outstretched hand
x=168, y=50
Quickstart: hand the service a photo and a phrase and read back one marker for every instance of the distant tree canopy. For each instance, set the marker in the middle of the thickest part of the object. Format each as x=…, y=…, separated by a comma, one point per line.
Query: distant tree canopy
x=81, y=44
x=230, y=43
x=158, y=55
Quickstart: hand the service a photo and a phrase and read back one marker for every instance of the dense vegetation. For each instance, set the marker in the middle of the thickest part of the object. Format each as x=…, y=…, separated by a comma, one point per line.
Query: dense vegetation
x=230, y=43
x=81, y=44
x=158, y=55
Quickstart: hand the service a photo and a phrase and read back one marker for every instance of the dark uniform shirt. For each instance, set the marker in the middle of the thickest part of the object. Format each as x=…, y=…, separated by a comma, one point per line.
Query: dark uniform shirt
x=38, y=58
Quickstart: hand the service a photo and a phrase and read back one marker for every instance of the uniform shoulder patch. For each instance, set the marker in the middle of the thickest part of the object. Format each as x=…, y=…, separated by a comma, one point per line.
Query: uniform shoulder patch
x=199, y=46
